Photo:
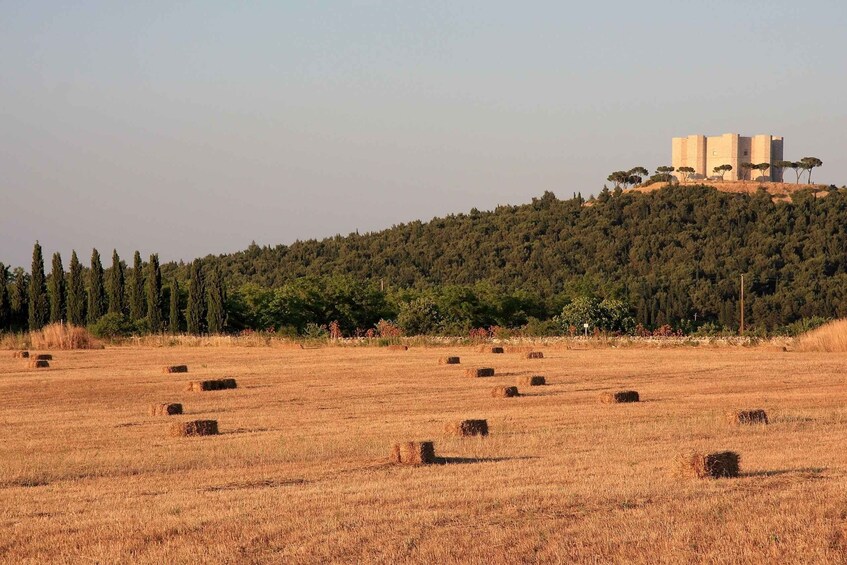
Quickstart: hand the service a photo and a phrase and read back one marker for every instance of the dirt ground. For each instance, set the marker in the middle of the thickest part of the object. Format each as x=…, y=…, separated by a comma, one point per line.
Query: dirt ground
x=300, y=472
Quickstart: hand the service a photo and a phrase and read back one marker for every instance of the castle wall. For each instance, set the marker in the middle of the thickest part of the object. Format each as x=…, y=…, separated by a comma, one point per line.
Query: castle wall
x=705, y=153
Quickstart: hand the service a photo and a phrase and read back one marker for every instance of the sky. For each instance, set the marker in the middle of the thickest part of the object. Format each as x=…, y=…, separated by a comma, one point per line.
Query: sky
x=190, y=128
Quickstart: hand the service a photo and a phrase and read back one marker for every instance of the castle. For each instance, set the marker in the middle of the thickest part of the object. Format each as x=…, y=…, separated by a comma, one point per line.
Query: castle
x=704, y=153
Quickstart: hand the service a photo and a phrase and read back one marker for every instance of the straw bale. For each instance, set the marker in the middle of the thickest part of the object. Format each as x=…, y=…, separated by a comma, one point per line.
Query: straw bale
x=44, y=357
x=618, y=397
x=757, y=416
x=504, y=391
x=490, y=349
x=534, y=355
x=175, y=369
x=38, y=363
x=195, y=428
x=212, y=384
x=467, y=428
x=714, y=465
x=480, y=372
x=448, y=361
x=21, y=354
x=165, y=409
x=534, y=380
x=413, y=453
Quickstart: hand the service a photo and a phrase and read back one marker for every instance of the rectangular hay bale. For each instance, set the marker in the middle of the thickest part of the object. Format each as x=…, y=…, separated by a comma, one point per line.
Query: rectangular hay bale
x=534, y=380
x=534, y=355
x=504, y=392
x=43, y=357
x=195, y=428
x=413, y=453
x=619, y=397
x=480, y=372
x=165, y=409
x=21, y=354
x=448, y=361
x=175, y=369
x=467, y=428
x=721, y=464
x=212, y=384
x=757, y=416
x=38, y=364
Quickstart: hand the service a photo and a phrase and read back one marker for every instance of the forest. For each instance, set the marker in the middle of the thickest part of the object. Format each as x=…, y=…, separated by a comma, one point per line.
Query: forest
x=622, y=262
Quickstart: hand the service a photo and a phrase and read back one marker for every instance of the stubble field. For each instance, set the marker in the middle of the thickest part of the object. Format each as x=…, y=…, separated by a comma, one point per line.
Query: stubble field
x=299, y=473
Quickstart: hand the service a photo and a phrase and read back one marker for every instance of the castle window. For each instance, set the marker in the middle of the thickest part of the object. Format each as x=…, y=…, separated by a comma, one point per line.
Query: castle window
x=745, y=153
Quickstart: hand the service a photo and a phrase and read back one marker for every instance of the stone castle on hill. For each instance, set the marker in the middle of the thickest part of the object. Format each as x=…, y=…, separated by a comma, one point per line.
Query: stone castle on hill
x=704, y=153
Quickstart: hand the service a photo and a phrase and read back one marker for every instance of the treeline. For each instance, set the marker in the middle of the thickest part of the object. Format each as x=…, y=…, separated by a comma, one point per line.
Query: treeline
x=669, y=258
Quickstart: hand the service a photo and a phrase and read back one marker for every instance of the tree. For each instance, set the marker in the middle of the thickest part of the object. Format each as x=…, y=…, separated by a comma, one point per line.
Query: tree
x=153, y=288
x=173, y=318
x=96, y=290
x=809, y=163
x=419, y=317
x=5, y=304
x=686, y=172
x=76, y=292
x=137, y=310
x=196, y=311
x=762, y=167
x=784, y=165
x=618, y=177
x=58, y=296
x=215, y=301
x=636, y=175
x=115, y=289
x=19, y=298
x=722, y=170
x=746, y=168
x=39, y=310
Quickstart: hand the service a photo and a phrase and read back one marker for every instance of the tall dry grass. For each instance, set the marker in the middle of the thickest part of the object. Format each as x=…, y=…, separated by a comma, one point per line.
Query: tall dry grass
x=54, y=336
x=829, y=338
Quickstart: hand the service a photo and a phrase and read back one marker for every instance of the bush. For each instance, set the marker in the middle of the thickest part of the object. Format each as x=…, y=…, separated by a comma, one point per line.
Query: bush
x=608, y=315
x=112, y=325
x=419, y=317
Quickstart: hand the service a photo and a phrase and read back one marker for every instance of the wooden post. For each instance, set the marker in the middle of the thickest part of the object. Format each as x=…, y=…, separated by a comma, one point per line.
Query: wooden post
x=742, y=305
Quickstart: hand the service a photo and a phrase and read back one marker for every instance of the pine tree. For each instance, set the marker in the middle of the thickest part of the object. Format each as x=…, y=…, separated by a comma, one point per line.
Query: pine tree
x=115, y=289
x=174, y=308
x=196, y=310
x=153, y=287
x=39, y=310
x=76, y=292
x=19, y=299
x=96, y=292
x=58, y=297
x=137, y=309
x=215, y=301
x=5, y=303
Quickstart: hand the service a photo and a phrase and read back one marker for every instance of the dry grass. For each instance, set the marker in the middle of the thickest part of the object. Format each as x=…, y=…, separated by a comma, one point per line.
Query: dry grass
x=300, y=471
x=63, y=336
x=830, y=338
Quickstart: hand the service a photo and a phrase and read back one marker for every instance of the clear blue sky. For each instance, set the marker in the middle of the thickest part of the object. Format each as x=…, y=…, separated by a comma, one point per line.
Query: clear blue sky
x=196, y=127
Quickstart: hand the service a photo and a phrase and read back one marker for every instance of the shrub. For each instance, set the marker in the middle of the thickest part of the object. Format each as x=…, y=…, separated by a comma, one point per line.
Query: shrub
x=112, y=325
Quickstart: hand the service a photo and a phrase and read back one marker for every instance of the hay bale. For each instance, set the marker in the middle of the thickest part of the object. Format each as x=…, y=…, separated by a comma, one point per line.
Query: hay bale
x=195, y=428
x=714, y=465
x=212, y=384
x=757, y=416
x=504, y=391
x=165, y=409
x=618, y=397
x=480, y=372
x=21, y=354
x=490, y=349
x=398, y=348
x=413, y=453
x=534, y=355
x=175, y=369
x=43, y=357
x=38, y=363
x=534, y=380
x=448, y=361
x=467, y=428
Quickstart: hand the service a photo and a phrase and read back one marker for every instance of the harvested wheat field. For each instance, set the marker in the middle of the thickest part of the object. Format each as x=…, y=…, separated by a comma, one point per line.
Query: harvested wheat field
x=301, y=473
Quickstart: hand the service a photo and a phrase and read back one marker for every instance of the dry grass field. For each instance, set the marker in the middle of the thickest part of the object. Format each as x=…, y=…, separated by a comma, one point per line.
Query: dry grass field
x=300, y=472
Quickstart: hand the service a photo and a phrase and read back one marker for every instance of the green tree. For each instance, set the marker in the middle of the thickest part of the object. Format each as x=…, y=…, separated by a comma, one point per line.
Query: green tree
x=745, y=170
x=39, y=310
x=76, y=292
x=762, y=167
x=196, y=311
x=96, y=291
x=58, y=295
x=722, y=170
x=419, y=317
x=153, y=287
x=174, y=317
x=19, y=299
x=5, y=302
x=137, y=309
x=686, y=172
x=215, y=301
x=809, y=163
x=115, y=288
x=784, y=165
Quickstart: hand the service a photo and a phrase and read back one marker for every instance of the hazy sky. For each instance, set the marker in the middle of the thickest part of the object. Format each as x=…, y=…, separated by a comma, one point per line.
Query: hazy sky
x=196, y=127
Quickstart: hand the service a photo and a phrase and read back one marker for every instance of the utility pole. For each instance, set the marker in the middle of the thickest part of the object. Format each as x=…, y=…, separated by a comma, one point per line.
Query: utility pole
x=742, y=305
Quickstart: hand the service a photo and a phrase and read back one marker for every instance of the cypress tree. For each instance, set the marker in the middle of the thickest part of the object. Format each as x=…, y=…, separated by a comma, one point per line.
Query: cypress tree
x=58, y=298
x=19, y=299
x=136, y=289
x=196, y=310
x=96, y=292
x=5, y=303
x=153, y=286
x=115, y=288
x=174, y=310
x=76, y=292
x=215, y=302
x=39, y=310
